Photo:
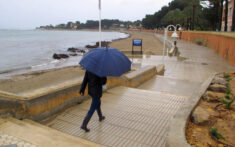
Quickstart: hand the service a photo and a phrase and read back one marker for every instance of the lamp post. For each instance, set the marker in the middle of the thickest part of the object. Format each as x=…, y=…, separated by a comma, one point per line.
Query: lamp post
x=178, y=25
x=174, y=35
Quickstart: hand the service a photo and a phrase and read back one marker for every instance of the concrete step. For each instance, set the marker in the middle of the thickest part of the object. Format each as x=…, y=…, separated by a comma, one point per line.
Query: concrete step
x=37, y=135
x=155, y=94
x=134, y=117
x=31, y=94
x=171, y=85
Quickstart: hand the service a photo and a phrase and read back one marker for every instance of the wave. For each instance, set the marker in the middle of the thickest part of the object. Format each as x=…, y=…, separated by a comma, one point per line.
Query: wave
x=45, y=64
x=15, y=69
x=27, y=67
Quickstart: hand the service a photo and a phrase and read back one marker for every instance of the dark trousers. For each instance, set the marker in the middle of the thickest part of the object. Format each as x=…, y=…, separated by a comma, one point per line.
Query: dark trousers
x=95, y=105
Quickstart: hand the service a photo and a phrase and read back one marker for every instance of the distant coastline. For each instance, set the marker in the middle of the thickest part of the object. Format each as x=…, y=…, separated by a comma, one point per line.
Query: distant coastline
x=106, y=24
x=92, y=30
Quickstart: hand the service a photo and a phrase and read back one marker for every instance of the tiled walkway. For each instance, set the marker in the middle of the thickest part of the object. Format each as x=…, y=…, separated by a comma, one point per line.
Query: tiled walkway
x=196, y=63
x=138, y=117
x=27, y=133
x=133, y=118
x=171, y=85
x=6, y=140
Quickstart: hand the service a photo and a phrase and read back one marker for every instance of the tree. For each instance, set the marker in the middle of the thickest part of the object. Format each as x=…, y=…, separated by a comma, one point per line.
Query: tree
x=172, y=14
x=214, y=12
x=233, y=25
x=148, y=22
x=69, y=25
x=173, y=17
x=221, y=13
x=226, y=16
x=195, y=14
x=61, y=26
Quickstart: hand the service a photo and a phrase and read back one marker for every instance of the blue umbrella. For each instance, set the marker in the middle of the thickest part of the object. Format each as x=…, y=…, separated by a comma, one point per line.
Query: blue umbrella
x=106, y=61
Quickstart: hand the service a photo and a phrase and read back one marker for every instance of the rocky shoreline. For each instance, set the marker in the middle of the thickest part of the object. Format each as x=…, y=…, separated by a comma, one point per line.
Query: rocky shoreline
x=73, y=51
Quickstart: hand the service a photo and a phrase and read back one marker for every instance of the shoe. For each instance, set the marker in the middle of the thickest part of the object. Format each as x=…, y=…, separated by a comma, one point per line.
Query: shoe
x=101, y=117
x=85, y=122
x=85, y=129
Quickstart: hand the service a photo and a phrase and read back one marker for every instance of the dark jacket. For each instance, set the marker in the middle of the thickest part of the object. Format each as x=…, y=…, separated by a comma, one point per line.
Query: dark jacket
x=94, y=84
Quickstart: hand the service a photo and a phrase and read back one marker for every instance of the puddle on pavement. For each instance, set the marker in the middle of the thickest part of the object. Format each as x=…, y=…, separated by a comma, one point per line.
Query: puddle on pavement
x=204, y=63
x=181, y=58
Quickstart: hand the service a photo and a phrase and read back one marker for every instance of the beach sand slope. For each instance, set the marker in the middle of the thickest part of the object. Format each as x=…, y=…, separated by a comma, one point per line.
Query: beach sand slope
x=151, y=45
x=34, y=80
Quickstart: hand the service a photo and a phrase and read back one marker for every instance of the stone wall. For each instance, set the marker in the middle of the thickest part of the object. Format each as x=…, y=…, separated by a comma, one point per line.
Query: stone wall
x=51, y=100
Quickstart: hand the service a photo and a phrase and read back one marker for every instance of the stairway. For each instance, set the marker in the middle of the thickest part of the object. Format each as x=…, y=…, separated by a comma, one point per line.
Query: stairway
x=27, y=133
x=134, y=117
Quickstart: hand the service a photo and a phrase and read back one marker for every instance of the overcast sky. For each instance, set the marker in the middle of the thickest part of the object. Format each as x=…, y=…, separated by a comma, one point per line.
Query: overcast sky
x=28, y=14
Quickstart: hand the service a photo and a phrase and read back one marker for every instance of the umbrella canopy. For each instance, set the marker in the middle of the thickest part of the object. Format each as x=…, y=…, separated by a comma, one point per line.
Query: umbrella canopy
x=106, y=61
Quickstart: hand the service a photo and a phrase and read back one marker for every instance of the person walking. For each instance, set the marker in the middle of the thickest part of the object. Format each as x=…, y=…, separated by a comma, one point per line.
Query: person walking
x=95, y=91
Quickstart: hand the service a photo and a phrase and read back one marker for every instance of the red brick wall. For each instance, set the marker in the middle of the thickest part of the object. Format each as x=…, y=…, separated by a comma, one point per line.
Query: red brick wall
x=222, y=45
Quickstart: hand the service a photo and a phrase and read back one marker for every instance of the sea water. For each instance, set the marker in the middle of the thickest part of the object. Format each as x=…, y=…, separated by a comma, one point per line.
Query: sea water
x=28, y=50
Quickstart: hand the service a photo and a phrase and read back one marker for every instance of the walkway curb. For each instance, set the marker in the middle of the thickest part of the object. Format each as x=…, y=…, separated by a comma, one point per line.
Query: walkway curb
x=47, y=101
x=176, y=134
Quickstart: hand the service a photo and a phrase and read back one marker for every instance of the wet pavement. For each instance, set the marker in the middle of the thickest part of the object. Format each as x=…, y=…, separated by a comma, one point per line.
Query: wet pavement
x=133, y=118
x=195, y=63
x=141, y=116
x=12, y=141
x=171, y=85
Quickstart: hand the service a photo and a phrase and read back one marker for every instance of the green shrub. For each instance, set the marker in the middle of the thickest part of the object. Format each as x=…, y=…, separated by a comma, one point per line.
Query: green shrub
x=227, y=103
x=228, y=79
x=215, y=133
x=228, y=91
x=227, y=76
x=227, y=96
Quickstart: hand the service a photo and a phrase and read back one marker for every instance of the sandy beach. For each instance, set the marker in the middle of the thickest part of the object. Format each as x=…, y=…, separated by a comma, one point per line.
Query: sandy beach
x=151, y=45
x=25, y=82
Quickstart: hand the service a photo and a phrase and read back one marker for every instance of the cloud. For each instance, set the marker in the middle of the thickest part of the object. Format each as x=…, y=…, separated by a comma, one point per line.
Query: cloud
x=32, y=13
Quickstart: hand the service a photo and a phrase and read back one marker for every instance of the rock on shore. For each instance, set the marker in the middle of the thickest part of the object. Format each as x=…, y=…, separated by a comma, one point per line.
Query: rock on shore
x=74, y=50
x=211, y=96
x=70, y=52
x=103, y=43
x=218, y=88
x=200, y=116
x=60, y=56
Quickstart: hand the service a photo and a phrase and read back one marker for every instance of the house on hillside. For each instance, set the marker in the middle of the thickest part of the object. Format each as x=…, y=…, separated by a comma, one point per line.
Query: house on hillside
x=71, y=25
x=230, y=16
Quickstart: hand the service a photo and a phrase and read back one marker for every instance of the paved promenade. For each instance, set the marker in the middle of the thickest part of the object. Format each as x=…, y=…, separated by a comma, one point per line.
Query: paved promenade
x=141, y=116
x=133, y=118
x=195, y=63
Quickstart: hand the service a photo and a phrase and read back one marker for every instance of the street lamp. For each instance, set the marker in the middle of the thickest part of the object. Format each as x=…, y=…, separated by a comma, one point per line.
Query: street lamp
x=178, y=27
x=175, y=36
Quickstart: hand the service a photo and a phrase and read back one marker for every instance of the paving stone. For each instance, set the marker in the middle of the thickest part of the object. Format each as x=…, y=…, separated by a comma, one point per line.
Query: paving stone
x=11, y=141
x=133, y=118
